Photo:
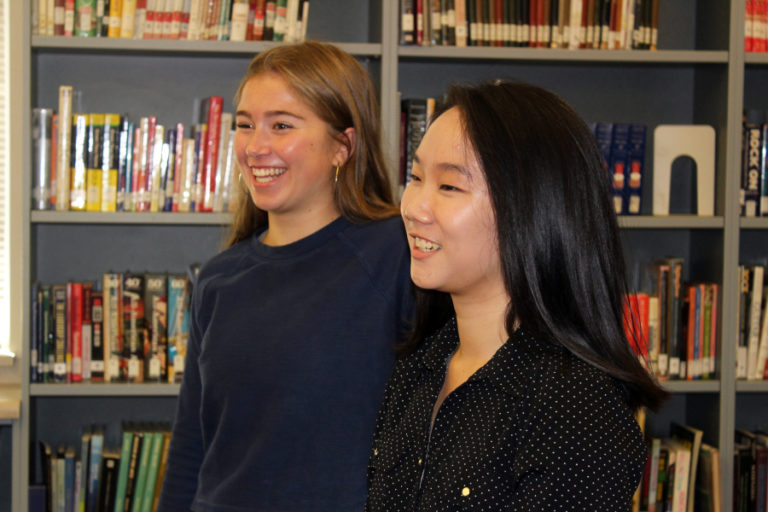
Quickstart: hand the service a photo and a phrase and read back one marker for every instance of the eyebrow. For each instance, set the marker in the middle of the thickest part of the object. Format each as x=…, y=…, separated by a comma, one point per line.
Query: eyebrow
x=447, y=166
x=271, y=113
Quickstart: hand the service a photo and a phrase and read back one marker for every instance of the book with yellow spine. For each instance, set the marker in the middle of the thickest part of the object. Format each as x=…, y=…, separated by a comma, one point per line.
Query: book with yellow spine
x=93, y=159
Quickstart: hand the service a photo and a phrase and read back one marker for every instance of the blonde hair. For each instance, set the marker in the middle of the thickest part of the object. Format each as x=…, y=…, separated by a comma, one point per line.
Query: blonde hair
x=338, y=90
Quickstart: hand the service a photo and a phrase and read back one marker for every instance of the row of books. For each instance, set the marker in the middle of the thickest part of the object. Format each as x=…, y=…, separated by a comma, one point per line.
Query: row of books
x=623, y=148
x=750, y=470
x=675, y=323
x=755, y=26
x=753, y=195
x=597, y=24
x=130, y=327
x=194, y=20
x=107, y=162
x=682, y=474
x=101, y=478
x=752, y=350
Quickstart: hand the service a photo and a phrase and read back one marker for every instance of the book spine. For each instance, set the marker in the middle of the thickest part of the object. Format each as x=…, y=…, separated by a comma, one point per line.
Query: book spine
x=159, y=168
x=127, y=19
x=751, y=177
x=156, y=312
x=48, y=334
x=187, y=180
x=141, y=474
x=239, y=29
x=93, y=165
x=97, y=337
x=116, y=369
x=755, y=302
x=41, y=158
x=76, y=330
x=110, y=162
x=178, y=325
x=675, y=298
x=35, y=334
x=60, y=319
x=134, y=325
x=741, y=349
x=229, y=180
x=618, y=166
x=63, y=145
x=635, y=168
x=201, y=138
x=212, y=151
x=221, y=180
x=122, y=475
x=85, y=18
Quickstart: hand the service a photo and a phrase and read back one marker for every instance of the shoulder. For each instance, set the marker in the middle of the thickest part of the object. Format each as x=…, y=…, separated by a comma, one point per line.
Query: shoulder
x=224, y=264
x=381, y=249
x=551, y=374
x=562, y=395
x=376, y=236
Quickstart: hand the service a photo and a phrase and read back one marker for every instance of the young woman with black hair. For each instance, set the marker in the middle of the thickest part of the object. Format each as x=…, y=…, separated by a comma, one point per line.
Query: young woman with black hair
x=518, y=386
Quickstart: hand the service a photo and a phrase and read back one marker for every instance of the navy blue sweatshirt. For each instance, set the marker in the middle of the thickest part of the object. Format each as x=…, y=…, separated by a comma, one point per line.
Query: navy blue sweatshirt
x=289, y=352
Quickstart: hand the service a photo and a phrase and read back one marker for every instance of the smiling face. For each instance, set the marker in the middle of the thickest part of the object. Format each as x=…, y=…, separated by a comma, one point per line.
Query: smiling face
x=285, y=151
x=447, y=212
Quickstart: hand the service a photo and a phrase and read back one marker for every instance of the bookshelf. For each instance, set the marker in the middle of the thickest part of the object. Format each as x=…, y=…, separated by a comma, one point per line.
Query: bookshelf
x=701, y=74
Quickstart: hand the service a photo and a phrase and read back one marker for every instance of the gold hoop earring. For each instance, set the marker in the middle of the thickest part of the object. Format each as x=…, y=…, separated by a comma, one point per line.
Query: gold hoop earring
x=336, y=177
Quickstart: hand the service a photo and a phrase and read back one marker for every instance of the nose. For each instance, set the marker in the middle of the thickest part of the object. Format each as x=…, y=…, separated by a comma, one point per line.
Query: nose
x=415, y=205
x=257, y=144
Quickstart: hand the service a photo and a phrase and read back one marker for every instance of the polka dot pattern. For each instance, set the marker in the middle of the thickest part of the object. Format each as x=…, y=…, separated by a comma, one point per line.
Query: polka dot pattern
x=534, y=429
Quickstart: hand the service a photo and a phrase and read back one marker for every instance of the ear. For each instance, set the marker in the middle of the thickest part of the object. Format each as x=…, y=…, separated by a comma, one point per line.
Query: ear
x=346, y=145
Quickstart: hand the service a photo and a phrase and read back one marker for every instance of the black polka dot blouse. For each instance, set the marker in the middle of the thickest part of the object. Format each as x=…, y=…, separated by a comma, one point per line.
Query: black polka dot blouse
x=535, y=429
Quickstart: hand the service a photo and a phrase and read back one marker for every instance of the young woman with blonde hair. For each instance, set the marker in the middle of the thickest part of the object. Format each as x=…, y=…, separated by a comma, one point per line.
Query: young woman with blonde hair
x=294, y=325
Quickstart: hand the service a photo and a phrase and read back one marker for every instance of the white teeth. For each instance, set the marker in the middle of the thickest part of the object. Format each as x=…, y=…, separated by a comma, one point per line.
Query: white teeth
x=265, y=174
x=425, y=245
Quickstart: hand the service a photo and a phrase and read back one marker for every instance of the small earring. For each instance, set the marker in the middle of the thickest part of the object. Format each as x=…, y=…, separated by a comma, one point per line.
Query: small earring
x=336, y=178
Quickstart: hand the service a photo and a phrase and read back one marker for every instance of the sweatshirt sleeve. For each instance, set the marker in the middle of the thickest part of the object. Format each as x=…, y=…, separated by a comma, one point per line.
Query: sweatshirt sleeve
x=185, y=453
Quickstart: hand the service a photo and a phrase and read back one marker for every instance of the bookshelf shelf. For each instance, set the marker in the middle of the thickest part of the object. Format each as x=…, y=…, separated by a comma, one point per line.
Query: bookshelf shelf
x=164, y=218
x=570, y=56
x=671, y=222
x=113, y=45
x=753, y=222
x=752, y=386
x=102, y=389
x=756, y=59
x=685, y=386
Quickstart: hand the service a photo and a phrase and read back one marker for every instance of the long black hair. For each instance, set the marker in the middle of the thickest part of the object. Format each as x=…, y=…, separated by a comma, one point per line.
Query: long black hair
x=558, y=236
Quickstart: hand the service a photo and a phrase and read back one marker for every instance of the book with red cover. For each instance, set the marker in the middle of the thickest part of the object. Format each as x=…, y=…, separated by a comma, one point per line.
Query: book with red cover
x=87, y=330
x=75, y=331
x=215, y=104
x=636, y=312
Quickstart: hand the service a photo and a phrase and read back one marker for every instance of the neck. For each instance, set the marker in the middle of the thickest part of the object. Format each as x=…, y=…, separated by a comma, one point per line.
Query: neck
x=481, y=325
x=286, y=228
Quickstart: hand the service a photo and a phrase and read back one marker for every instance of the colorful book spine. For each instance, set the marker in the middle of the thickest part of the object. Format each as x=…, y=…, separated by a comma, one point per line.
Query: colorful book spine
x=93, y=157
x=134, y=325
x=178, y=325
x=110, y=156
x=97, y=337
x=156, y=312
